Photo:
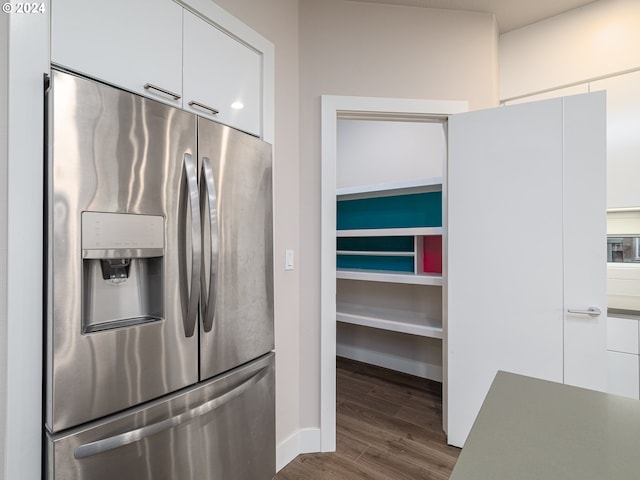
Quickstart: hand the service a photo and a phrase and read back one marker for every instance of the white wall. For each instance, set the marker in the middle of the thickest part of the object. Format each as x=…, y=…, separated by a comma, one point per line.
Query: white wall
x=24, y=60
x=597, y=40
x=353, y=48
x=592, y=48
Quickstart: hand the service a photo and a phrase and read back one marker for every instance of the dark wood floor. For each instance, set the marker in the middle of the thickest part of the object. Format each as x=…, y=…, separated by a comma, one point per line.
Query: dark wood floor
x=389, y=427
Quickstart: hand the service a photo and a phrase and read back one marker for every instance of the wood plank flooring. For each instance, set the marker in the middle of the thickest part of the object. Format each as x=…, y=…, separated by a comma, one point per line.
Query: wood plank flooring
x=389, y=427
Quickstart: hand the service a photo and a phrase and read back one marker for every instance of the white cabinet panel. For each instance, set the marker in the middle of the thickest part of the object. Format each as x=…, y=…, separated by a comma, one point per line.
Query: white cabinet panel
x=623, y=374
x=622, y=335
x=623, y=286
x=128, y=44
x=623, y=138
x=221, y=74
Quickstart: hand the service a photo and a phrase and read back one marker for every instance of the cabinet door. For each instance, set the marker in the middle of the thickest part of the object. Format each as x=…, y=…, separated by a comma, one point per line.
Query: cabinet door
x=622, y=335
x=222, y=77
x=623, y=141
x=128, y=44
x=516, y=206
x=623, y=374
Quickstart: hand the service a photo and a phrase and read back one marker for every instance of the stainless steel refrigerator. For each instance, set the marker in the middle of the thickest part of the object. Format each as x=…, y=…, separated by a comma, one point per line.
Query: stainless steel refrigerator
x=159, y=292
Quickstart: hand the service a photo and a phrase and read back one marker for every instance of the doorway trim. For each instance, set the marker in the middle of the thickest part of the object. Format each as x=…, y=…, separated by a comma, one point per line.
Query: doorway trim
x=334, y=107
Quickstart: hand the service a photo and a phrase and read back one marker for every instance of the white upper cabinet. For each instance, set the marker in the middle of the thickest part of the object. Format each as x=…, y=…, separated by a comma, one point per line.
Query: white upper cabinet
x=222, y=77
x=126, y=43
x=623, y=139
x=159, y=49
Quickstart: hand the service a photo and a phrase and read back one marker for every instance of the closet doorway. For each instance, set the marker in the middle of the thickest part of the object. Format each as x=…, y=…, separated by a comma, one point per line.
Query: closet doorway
x=382, y=281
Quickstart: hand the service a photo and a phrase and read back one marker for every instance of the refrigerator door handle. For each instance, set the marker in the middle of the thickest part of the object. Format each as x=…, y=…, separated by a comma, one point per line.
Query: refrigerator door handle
x=189, y=292
x=110, y=443
x=208, y=298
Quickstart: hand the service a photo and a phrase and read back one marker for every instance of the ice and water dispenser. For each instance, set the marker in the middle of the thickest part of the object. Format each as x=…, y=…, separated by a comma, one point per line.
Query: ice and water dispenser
x=122, y=268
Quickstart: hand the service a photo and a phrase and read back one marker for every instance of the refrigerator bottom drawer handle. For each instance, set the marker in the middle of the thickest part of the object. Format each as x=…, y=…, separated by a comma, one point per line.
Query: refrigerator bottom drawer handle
x=126, y=438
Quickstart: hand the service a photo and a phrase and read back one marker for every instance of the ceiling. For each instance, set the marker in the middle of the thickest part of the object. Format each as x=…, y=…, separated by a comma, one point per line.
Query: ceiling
x=510, y=14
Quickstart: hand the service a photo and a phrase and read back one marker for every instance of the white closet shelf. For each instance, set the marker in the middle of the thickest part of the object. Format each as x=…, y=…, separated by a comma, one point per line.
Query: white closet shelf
x=390, y=232
x=390, y=277
x=419, y=185
x=376, y=253
x=389, y=319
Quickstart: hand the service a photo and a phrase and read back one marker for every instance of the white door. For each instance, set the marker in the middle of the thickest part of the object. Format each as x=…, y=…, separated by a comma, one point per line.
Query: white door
x=526, y=242
x=585, y=236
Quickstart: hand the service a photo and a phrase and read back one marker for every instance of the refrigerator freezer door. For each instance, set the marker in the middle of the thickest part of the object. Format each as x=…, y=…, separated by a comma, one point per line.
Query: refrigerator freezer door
x=117, y=153
x=222, y=429
x=237, y=286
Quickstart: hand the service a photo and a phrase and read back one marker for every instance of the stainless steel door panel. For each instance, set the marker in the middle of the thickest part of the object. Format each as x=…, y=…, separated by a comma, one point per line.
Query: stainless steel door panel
x=111, y=151
x=236, y=206
x=223, y=429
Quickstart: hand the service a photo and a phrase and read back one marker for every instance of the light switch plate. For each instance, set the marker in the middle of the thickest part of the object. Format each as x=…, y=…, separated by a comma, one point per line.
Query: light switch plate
x=288, y=260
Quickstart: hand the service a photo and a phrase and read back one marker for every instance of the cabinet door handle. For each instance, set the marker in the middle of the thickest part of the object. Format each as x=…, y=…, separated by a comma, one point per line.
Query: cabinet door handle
x=591, y=311
x=213, y=111
x=149, y=86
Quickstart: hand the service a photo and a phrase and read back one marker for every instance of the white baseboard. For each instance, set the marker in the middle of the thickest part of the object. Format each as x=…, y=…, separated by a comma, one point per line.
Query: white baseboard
x=405, y=365
x=306, y=440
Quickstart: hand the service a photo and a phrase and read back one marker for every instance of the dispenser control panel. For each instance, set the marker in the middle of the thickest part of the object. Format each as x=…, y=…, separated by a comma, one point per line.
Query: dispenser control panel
x=117, y=231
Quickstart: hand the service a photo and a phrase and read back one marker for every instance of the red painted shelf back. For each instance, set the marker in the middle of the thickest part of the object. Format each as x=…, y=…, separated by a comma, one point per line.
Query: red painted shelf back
x=433, y=254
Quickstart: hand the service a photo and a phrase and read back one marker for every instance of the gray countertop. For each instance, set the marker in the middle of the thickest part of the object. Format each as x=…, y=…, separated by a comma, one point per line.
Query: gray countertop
x=535, y=429
x=615, y=313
